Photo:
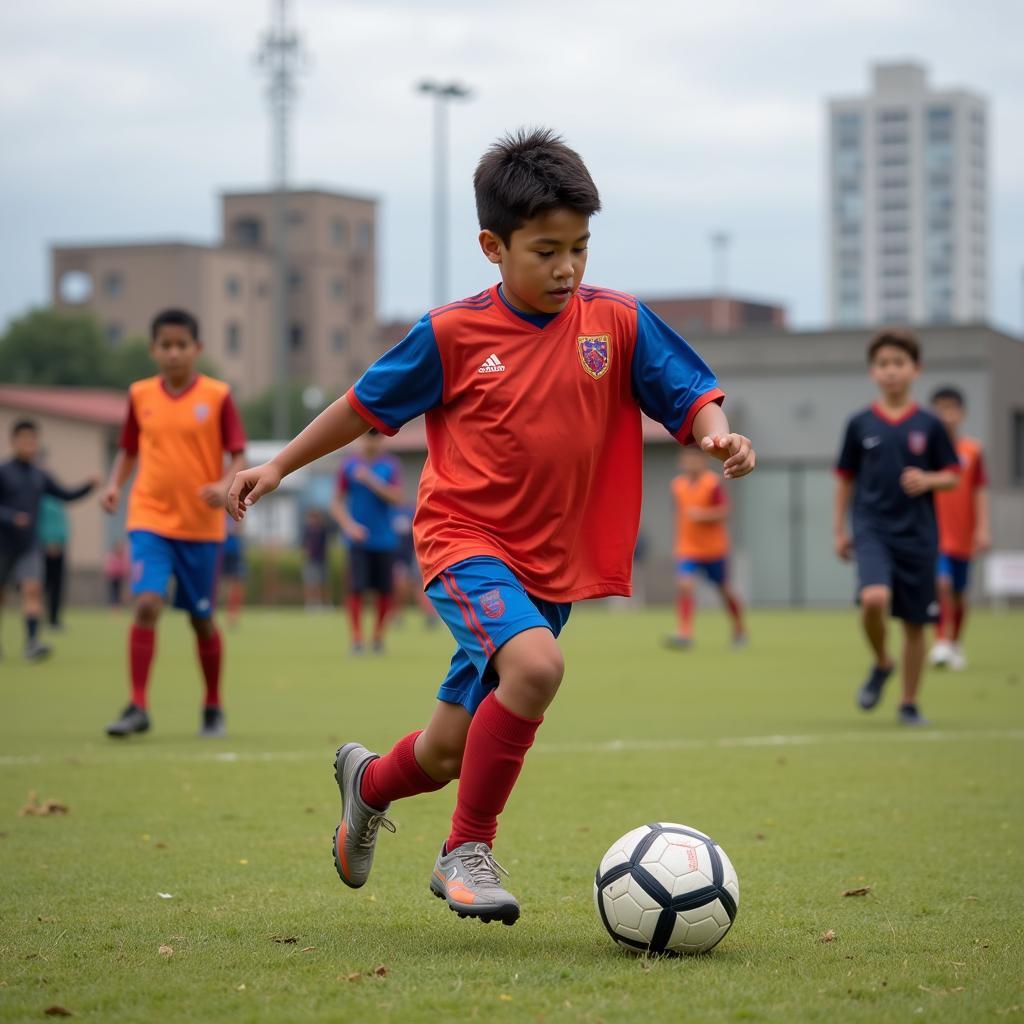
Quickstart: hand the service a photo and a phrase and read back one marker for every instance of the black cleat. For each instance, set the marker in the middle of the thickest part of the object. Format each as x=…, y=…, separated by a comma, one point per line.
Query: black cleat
x=909, y=715
x=677, y=642
x=212, y=725
x=871, y=692
x=133, y=719
x=37, y=651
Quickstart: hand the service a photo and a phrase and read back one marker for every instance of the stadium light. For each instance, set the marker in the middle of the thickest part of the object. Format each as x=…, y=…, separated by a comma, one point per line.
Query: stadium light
x=443, y=94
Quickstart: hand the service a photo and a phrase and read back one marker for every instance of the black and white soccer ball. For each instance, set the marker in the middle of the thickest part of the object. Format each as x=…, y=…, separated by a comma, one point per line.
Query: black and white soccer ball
x=665, y=888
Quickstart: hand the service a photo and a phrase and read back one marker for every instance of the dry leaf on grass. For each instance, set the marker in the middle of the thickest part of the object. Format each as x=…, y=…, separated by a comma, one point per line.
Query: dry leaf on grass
x=354, y=976
x=380, y=971
x=48, y=808
x=307, y=949
x=860, y=891
x=829, y=936
x=159, y=846
x=284, y=940
x=166, y=951
x=58, y=1011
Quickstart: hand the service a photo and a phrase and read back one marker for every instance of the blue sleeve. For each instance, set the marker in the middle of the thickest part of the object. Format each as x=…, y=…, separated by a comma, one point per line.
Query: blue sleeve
x=670, y=381
x=848, y=462
x=404, y=383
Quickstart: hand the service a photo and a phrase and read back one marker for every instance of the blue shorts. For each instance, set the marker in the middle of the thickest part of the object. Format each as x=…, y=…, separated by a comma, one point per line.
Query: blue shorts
x=484, y=606
x=193, y=564
x=716, y=571
x=232, y=558
x=956, y=570
x=909, y=575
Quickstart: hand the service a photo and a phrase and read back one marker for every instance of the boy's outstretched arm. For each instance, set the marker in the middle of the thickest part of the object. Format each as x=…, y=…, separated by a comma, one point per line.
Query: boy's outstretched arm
x=734, y=451
x=338, y=425
x=124, y=465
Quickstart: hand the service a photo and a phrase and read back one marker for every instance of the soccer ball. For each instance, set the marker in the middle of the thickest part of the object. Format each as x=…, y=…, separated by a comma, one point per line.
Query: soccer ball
x=665, y=888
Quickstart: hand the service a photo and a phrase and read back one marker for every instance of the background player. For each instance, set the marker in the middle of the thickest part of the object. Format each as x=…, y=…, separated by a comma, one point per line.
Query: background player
x=315, y=574
x=232, y=571
x=22, y=486
x=369, y=485
x=894, y=455
x=702, y=543
x=963, y=530
x=529, y=499
x=180, y=425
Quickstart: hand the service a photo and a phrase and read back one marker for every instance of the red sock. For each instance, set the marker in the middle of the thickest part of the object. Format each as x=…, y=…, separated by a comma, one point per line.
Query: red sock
x=355, y=614
x=141, y=645
x=396, y=774
x=685, y=606
x=736, y=611
x=959, y=613
x=495, y=748
x=209, y=650
x=384, y=603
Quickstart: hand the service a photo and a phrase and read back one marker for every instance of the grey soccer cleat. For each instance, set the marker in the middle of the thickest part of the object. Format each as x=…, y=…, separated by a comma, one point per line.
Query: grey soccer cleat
x=468, y=879
x=356, y=835
x=212, y=725
x=133, y=720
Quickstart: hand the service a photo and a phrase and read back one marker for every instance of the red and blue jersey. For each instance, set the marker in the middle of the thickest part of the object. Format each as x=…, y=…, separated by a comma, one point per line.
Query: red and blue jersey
x=366, y=506
x=534, y=447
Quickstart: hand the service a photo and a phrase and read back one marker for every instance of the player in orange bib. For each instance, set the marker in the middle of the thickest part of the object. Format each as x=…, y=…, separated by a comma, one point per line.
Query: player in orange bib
x=702, y=544
x=964, y=532
x=179, y=427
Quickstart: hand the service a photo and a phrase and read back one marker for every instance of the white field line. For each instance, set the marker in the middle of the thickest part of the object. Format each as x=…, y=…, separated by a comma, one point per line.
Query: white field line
x=907, y=736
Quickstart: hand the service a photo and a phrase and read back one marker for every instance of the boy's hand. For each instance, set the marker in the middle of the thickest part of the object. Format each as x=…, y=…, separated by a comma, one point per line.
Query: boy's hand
x=356, y=532
x=843, y=546
x=915, y=481
x=215, y=495
x=363, y=473
x=110, y=499
x=734, y=451
x=249, y=486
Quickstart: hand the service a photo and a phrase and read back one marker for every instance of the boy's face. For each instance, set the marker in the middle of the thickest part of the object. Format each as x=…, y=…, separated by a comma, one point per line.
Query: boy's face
x=372, y=445
x=692, y=461
x=893, y=371
x=543, y=263
x=175, y=352
x=950, y=411
x=25, y=445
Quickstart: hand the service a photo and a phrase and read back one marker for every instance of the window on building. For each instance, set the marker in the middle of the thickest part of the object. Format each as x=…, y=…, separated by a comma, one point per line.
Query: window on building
x=338, y=287
x=892, y=117
x=296, y=337
x=232, y=286
x=113, y=284
x=339, y=340
x=1018, y=446
x=364, y=239
x=233, y=338
x=247, y=231
x=339, y=232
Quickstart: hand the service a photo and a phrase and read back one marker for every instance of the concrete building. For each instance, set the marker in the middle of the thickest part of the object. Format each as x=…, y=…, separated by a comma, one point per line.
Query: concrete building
x=908, y=203
x=331, y=282
x=716, y=314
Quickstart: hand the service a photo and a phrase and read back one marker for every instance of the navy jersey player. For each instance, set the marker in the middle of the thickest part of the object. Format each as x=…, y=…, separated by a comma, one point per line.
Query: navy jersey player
x=893, y=457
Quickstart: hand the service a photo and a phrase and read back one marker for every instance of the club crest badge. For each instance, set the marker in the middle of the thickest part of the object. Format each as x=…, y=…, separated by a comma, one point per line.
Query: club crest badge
x=917, y=441
x=202, y=411
x=492, y=604
x=595, y=353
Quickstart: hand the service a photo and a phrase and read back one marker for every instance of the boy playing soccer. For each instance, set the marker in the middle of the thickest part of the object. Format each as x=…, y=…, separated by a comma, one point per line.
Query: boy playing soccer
x=894, y=455
x=963, y=530
x=179, y=426
x=369, y=486
x=702, y=543
x=529, y=499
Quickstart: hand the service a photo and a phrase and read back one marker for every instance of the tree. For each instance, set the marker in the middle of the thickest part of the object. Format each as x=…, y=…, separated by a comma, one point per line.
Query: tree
x=68, y=349
x=258, y=413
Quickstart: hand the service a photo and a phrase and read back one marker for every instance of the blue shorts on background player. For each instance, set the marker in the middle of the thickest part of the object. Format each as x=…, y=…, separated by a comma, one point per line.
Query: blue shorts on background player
x=894, y=455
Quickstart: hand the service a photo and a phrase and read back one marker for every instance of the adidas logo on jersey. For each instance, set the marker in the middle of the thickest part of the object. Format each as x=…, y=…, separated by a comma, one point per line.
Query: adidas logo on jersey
x=492, y=364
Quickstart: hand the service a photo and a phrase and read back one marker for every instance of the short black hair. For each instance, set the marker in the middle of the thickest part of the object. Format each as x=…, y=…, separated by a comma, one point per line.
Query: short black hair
x=948, y=393
x=177, y=317
x=526, y=173
x=892, y=338
x=20, y=425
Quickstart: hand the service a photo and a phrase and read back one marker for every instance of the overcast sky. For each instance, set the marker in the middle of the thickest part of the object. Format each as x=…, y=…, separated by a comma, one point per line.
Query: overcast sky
x=122, y=120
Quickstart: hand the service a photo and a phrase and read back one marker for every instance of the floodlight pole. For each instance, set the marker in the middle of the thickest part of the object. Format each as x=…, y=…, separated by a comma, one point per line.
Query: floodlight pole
x=720, y=241
x=280, y=56
x=442, y=94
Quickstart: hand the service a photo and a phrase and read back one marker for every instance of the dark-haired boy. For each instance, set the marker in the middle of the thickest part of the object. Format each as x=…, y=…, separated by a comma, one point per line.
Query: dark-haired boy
x=22, y=486
x=963, y=530
x=893, y=457
x=179, y=427
x=529, y=499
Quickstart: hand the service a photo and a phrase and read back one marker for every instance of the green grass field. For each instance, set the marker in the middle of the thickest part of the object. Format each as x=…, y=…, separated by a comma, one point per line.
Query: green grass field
x=761, y=748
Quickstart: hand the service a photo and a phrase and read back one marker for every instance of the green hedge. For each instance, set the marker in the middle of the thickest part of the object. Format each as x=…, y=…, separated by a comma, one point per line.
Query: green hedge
x=274, y=575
